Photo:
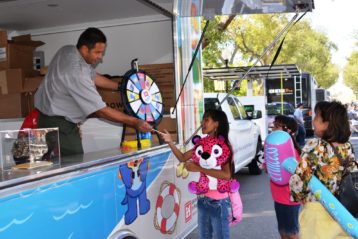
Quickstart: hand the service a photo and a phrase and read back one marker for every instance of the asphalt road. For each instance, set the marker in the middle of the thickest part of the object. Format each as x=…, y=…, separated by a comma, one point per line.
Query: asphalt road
x=259, y=220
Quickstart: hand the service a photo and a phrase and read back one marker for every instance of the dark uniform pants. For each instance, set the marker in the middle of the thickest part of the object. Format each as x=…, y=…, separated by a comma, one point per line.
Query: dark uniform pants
x=69, y=133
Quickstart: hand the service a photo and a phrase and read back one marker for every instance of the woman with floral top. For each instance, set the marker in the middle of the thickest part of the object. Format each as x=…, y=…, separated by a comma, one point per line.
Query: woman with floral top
x=331, y=126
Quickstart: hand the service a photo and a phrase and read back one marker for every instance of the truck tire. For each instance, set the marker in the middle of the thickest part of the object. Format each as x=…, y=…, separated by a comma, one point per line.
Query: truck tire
x=254, y=168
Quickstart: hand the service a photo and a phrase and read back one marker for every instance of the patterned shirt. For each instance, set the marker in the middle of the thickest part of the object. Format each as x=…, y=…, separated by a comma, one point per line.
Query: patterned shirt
x=318, y=159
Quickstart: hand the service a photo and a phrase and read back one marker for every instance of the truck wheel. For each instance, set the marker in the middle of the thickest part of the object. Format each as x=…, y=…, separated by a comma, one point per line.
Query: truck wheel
x=253, y=166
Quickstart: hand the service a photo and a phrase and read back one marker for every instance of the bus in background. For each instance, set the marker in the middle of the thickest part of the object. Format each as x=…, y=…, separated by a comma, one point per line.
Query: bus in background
x=297, y=89
x=322, y=95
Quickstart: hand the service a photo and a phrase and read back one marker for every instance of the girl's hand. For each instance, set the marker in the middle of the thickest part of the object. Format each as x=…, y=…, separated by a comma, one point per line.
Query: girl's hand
x=166, y=137
x=192, y=167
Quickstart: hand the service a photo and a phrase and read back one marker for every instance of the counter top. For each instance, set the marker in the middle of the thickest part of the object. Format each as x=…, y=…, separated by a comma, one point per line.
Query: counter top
x=71, y=164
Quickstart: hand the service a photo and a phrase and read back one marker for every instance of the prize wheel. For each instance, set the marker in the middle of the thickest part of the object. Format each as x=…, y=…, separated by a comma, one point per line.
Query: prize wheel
x=141, y=96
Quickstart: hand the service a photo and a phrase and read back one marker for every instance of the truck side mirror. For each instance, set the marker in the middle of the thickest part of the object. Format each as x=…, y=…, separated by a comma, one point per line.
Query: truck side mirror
x=256, y=114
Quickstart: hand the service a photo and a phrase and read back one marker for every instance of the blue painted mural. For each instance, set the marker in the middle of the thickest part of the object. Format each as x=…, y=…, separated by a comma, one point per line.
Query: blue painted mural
x=133, y=175
x=86, y=206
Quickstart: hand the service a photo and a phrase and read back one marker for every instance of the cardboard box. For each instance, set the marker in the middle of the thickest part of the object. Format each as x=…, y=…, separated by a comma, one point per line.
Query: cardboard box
x=31, y=83
x=27, y=102
x=111, y=98
x=3, y=45
x=18, y=53
x=10, y=106
x=3, y=38
x=16, y=105
x=43, y=70
x=13, y=81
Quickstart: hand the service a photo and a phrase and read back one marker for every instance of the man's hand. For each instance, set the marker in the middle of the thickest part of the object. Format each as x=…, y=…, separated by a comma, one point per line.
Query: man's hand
x=117, y=116
x=142, y=126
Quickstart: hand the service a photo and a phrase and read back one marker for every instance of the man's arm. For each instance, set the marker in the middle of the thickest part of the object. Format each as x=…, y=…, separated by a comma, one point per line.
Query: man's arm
x=117, y=116
x=105, y=83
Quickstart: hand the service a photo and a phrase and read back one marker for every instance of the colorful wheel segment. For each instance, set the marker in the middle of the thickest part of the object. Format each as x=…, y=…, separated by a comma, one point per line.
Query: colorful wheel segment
x=142, y=97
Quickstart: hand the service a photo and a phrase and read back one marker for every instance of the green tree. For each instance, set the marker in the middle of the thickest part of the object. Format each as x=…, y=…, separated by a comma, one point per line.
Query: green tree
x=350, y=72
x=246, y=37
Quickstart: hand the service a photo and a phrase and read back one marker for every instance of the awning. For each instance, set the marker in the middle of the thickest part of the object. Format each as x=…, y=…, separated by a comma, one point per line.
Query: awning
x=258, y=72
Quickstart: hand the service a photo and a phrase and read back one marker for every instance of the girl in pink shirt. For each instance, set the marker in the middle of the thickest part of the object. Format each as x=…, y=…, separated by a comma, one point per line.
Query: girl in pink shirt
x=213, y=206
x=286, y=210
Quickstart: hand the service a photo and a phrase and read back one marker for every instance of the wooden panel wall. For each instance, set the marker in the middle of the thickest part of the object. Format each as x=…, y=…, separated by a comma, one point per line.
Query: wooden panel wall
x=163, y=74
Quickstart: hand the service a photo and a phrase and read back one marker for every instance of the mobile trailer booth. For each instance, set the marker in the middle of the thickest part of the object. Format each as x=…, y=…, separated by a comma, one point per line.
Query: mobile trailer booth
x=108, y=193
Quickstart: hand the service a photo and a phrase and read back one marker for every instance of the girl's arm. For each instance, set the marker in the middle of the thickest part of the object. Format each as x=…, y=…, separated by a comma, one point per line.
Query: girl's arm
x=182, y=157
x=224, y=173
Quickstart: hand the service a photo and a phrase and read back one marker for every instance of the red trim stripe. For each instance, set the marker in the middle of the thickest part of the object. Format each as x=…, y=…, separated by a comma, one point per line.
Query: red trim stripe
x=163, y=225
x=160, y=201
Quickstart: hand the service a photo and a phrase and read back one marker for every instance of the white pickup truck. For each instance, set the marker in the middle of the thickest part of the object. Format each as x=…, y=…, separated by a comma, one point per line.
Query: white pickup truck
x=244, y=135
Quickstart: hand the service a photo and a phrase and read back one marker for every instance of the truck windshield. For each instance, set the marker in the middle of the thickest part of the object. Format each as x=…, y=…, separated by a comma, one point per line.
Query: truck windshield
x=237, y=109
x=276, y=109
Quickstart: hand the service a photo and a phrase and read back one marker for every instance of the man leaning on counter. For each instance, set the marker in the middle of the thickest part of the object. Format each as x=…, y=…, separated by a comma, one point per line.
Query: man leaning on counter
x=68, y=94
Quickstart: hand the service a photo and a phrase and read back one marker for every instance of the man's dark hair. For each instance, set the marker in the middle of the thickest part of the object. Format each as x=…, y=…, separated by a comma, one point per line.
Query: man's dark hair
x=90, y=37
x=299, y=105
x=338, y=125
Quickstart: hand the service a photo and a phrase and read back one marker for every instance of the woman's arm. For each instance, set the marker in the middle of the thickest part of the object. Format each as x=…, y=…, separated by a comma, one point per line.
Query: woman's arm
x=224, y=173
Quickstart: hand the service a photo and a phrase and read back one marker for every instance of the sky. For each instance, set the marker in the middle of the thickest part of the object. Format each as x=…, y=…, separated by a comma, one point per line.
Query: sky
x=339, y=19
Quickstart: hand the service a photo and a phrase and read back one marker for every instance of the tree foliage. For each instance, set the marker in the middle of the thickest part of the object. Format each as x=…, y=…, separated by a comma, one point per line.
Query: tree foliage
x=350, y=72
x=248, y=36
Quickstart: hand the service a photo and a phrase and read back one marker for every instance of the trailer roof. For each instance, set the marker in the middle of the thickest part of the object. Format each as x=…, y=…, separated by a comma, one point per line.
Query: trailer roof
x=24, y=16
x=211, y=8
x=257, y=72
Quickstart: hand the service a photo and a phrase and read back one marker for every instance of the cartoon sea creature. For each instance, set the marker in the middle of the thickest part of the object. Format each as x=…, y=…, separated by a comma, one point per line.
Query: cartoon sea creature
x=133, y=175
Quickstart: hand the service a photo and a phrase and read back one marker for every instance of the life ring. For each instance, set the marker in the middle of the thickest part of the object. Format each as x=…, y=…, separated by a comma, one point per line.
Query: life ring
x=166, y=225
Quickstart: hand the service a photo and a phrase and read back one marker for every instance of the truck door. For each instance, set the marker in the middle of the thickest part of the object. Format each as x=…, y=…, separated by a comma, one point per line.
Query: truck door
x=240, y=129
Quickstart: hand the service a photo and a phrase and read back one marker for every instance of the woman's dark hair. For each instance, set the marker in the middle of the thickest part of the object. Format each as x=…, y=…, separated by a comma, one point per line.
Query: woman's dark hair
x=223, y=128
x=90, y=37
x=289, y=123
x=337, y=117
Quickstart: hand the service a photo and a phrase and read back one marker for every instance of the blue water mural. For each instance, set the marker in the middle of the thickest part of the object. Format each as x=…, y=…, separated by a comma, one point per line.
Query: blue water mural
x=87, y=206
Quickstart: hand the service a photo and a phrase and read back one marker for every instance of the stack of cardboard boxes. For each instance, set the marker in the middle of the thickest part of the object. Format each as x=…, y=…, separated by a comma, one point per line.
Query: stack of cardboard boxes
x=18, y=79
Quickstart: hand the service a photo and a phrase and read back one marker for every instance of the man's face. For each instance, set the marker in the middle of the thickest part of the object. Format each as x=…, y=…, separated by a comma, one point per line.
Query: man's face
x=93, y=56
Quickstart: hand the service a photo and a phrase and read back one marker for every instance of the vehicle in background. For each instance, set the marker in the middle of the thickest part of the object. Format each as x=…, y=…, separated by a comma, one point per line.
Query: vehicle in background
x=245, y=135
x=297, y=89
x=278, y=108
x=322, y=95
